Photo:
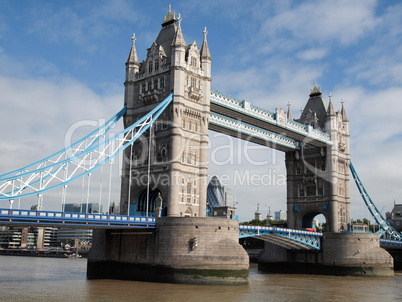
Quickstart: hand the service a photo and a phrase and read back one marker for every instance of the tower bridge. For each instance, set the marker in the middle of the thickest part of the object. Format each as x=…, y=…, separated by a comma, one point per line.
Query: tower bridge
x=169, y=107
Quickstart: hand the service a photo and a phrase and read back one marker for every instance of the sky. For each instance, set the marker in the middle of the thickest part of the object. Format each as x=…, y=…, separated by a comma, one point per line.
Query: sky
x=62, y=63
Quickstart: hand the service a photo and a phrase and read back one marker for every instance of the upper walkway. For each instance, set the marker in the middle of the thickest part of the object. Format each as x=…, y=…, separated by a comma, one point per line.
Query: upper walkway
x=244, y=120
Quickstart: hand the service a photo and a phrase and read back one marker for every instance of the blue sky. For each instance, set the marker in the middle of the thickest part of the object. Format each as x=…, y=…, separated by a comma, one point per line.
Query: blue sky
x=63, y=62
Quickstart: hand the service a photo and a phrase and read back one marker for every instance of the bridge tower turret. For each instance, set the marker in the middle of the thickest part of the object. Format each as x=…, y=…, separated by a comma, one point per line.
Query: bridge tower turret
x=177, y=144
x=318, y=177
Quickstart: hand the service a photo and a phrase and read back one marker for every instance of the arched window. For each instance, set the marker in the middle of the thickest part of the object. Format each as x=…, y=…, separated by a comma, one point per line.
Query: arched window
x=150, y=66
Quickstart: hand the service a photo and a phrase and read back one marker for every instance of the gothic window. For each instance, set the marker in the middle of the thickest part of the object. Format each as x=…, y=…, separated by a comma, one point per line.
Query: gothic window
x=311, y=191
x=156, y=65
x=162, y=82
x=189, y=158
x=150, y=66
x=340, y=190
x=143, y=87
x=189, y=189
x=155, y=84
x=159, y=157
x=149, y=85
x=183, y=156
x=196, y=127
x=193, y=61
x=183, y=125
x=320, y=191
x=193, y=82
x=195, y=183
x=189, y=125
x=298, y=170
x=301, y=192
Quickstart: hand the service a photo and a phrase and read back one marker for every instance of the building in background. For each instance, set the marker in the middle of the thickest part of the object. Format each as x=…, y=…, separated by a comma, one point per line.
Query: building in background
x=280, y=215
x=21, y=237
x=82, y=208
x=258, y=215
x=395, y=217
x=219, y=200
x=72, y=207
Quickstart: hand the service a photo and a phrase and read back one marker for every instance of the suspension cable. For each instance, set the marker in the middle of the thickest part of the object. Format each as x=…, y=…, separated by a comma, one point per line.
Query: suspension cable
x=149, y=166
x=31, y=177
x=110, y=184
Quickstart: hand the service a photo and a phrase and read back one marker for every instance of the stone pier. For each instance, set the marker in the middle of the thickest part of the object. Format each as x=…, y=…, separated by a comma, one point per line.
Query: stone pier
x=345, y=254
x=179, y=250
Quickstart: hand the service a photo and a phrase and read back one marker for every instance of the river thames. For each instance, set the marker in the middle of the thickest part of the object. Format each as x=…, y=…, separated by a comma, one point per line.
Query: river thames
x=55, y=279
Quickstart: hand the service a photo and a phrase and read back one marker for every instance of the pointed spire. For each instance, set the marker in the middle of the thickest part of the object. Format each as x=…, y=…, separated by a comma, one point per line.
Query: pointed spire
x=316, y=90
x=132, y=57
x=204, y=48
x=289, y=114
x=343, y=112
x=178, y=39
x=331, y=110
x=170, y=16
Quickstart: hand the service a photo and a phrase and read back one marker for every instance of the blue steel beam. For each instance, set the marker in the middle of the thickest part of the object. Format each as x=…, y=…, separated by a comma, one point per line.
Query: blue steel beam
x=287, y=238
x=66, y=219
x=63, y=168
x=390, y=244
x=381, y=221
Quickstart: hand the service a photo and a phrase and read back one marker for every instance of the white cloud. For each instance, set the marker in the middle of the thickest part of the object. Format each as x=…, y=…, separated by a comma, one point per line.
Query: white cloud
x=342, y=22
x=313, y=54
x=374, y=119
x=36, y=115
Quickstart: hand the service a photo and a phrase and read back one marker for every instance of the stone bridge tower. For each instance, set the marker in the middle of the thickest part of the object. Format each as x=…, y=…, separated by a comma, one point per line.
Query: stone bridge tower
x=318, y=178
x=175, y=166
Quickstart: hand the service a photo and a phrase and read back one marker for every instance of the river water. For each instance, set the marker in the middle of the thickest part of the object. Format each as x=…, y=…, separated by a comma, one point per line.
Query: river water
x=55, y=279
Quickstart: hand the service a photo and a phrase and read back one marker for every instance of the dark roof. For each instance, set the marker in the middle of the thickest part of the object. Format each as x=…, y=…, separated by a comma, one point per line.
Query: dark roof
x=317, y=105
x=166, y=36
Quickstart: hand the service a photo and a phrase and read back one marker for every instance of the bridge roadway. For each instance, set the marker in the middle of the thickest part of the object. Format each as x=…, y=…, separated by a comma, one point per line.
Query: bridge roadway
x=287, y=238
x=12, y=217
x=243, y=120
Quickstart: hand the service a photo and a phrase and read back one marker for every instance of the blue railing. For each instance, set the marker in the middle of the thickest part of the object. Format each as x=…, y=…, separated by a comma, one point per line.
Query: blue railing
x=287, y=238
x=66, y=219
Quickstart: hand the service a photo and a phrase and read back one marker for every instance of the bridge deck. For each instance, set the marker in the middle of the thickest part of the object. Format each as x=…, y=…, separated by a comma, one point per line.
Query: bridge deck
x=72, y=220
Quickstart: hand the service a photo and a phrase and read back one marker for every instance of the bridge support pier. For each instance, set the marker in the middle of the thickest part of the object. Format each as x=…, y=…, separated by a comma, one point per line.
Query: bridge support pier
x=346, y=254
x=180, y=250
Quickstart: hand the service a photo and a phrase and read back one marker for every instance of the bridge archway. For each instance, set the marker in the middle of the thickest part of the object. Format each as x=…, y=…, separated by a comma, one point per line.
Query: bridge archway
x=309, y=218
x=188, y=213
x=141, y=207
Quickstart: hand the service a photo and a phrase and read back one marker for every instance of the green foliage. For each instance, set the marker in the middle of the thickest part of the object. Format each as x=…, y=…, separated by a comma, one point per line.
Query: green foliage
x=256, y=222
x=265, y=222
x=365, y=221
